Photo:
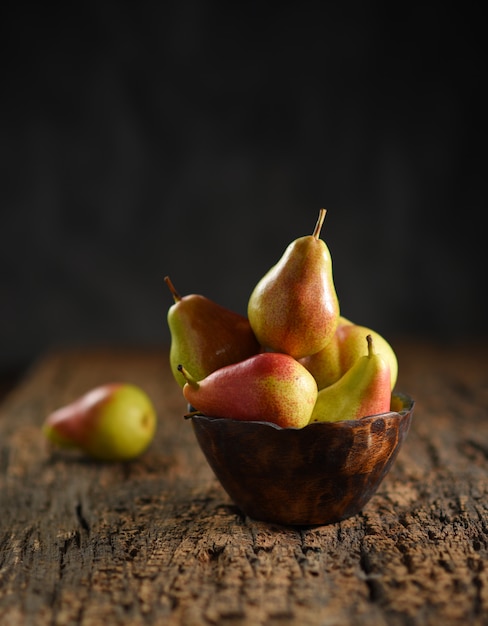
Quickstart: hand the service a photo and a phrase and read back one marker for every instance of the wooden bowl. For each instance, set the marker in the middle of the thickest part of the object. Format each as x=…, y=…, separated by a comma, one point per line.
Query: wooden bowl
x=319, y=474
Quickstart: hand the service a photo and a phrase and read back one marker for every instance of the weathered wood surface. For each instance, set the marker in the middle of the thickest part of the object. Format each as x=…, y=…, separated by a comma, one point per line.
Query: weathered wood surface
x=157, y=541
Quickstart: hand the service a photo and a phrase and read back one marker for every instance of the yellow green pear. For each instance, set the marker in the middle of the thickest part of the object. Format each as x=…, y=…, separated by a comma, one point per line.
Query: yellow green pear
x=294, y=307
x=112, y=422
x=363, y=390
x=347, y=345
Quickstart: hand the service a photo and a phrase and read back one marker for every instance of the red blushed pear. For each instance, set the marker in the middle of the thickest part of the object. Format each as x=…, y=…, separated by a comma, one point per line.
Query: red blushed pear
x=363, y=390
x=269, y=386
x=205, y=335
x=346, y=346
x=112, y=422
x=294, y=307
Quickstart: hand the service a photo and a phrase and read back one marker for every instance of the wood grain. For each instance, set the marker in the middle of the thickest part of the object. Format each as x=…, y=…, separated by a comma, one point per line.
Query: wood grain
x=157, y=541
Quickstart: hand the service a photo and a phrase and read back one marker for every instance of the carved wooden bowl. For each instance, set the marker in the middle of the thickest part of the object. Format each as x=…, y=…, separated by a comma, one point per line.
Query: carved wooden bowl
x=319, y=474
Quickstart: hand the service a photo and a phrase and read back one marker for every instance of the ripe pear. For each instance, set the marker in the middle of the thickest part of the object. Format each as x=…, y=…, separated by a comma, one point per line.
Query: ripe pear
x=269, y=386
x=205, y=335
x=363, y=390
x=347, y=345
x=294, y=307
x=112, y=422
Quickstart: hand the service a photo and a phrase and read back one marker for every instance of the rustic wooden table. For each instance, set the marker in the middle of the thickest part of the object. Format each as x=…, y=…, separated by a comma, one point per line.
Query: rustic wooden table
x=157, y=541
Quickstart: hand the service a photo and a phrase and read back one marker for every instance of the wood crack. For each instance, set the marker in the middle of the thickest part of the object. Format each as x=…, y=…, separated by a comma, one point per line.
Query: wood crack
x=81, y=518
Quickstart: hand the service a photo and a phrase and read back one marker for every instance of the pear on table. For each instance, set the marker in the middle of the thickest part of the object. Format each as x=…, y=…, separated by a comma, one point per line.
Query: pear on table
x=205, y=335
x=294, y=307
x=365, y=389
x=345, y=347
x=112, y=422
x=269, y=386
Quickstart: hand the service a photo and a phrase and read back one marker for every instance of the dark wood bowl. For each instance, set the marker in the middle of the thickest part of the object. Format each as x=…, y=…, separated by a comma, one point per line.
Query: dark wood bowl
x=319, y=474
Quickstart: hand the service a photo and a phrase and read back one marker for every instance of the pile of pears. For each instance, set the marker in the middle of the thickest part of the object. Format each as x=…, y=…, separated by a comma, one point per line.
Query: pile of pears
x=293, y=360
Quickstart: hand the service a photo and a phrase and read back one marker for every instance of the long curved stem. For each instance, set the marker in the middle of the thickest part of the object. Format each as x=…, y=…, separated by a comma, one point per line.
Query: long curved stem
x=318, y=225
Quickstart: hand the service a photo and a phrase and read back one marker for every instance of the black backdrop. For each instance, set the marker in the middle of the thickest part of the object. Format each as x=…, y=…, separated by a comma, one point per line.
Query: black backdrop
x=197, y=139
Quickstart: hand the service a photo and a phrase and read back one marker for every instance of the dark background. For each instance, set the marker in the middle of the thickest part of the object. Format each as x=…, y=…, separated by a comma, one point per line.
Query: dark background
x=197, y=139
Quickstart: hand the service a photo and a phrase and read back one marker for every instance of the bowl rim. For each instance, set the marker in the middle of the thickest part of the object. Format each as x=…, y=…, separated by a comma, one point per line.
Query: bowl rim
x=407, y=401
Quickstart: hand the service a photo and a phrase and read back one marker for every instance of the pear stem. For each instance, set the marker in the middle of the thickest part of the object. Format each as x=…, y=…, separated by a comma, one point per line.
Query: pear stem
x=188, y=416
x=371, y=351
x=188, y=377
x=318, y=225
x=176, y=295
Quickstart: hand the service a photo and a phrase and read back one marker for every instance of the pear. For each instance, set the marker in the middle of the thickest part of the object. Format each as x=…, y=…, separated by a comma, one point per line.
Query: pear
x=347, y=345
x=269, y=386
x=205, y=335
x=365, y=389
x=112, y=422
x=294, y=307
